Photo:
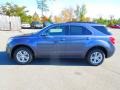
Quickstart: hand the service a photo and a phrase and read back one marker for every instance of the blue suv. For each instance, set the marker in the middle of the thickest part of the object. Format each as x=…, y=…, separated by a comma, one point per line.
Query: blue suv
x=89, y=41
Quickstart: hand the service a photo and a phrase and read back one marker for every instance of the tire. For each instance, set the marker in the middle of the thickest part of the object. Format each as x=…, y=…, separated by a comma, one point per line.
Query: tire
x=95, y=57
x=23, y=55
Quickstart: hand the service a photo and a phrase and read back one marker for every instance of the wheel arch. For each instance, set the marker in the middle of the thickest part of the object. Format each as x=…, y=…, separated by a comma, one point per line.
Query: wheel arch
x=98, y=47
x=18, y=46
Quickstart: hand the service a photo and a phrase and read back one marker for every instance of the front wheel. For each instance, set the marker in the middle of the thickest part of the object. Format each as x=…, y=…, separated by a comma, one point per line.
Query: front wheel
x=23, y=55
x=95, y=57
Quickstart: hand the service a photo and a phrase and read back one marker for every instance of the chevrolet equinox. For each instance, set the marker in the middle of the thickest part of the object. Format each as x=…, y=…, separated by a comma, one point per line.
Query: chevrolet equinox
x=89, y=41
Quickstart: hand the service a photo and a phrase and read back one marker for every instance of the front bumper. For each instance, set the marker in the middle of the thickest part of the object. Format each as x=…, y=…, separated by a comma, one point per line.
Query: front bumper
x=9, y=51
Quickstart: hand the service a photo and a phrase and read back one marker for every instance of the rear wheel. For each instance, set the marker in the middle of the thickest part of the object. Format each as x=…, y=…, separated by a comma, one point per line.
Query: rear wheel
x=23, y=55
x=95, y=57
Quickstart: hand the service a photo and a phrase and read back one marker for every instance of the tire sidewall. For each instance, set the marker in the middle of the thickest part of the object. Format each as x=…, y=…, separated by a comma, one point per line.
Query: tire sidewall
x=25, y=49
x=93, y=51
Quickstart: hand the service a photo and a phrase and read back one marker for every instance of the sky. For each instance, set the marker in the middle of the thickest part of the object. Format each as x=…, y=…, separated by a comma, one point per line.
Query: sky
x=95, y=8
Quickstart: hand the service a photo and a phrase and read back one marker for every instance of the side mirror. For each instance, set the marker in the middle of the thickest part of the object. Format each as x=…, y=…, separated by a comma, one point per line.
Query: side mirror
x=44, y=34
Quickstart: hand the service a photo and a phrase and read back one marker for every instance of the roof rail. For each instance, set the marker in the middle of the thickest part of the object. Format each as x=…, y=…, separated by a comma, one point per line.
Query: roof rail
x=82, y=22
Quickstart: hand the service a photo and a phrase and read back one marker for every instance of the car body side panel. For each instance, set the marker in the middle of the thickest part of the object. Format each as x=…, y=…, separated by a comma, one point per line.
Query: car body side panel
x=110, y=49
x=29, y=42
x=63, y=45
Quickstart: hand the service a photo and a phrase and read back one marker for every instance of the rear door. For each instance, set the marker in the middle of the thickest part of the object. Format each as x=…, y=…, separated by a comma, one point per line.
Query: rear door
x=79, y=39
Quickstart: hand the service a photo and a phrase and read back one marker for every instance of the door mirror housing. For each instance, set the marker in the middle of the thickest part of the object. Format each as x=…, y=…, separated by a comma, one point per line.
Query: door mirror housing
x=44, y=34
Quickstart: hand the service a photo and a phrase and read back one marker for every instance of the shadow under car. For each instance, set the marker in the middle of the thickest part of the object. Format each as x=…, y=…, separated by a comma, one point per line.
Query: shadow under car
x=5, y=60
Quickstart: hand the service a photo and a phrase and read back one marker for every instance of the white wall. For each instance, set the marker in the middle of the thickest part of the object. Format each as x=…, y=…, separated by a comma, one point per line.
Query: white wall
x=10, y=23
x=4, y=22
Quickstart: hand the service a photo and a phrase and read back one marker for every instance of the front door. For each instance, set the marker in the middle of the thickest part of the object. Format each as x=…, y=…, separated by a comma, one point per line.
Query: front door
x=53, y=40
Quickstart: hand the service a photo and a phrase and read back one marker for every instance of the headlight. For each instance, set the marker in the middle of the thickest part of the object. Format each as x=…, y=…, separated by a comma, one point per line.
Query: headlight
x=9, y=40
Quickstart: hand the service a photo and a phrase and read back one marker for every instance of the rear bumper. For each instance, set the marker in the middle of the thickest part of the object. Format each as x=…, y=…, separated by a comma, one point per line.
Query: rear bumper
x=110, y=52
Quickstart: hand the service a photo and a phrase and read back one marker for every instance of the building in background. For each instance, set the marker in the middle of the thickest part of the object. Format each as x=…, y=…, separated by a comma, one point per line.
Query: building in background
x=9, y=22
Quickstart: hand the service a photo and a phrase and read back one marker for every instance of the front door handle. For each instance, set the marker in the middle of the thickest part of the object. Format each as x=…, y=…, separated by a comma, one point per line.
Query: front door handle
x=62, y=40
x=88, y=38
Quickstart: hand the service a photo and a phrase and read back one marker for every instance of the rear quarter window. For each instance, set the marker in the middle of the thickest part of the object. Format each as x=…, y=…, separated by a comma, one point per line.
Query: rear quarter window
x=102, y=29
x=79, y=30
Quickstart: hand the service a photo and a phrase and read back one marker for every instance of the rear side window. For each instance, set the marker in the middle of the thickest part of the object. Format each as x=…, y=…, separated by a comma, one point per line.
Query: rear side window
x=102, y=29
x=79, y=30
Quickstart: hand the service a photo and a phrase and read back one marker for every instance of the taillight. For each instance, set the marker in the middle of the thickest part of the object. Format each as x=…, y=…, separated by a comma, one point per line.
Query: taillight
x=112, y=40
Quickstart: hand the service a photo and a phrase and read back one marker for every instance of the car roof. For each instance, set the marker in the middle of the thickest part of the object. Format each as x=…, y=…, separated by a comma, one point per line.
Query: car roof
x=80, y=23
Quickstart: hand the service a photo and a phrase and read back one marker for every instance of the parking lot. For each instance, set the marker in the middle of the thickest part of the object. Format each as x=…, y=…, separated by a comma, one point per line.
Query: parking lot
x=58, y=74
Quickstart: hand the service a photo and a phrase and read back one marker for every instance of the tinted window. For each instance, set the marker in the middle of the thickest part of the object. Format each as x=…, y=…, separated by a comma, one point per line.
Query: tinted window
x=79, y=30
x=58, y=30
x=35, y=23
x=102, y=29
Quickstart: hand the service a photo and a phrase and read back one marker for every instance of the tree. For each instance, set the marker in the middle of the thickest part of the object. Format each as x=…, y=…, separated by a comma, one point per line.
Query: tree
x=77, y=13
x=15, y=10
x=35, y=17
x=27, y=19
x=80, y=13
x=49, y=19
x=118, y=21
x=43, y=6
x=44, y=19
x=101, y=20
x=58, y=19
x=112, y=21
x=83, y=12
x=67, y=15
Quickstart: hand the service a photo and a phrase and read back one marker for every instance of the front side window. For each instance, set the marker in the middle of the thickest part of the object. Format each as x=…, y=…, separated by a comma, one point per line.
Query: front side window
x=79, y=30
x=58, y=30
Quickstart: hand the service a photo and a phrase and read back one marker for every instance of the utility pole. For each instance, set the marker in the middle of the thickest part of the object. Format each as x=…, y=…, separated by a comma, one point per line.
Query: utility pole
x=40, y=4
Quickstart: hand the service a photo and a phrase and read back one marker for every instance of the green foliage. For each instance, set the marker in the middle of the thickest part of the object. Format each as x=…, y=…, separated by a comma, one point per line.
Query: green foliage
x=107, y=22
x=83, y=12
x=77, y=13
x=80, y=13
x=27, y=19
x=101, y=21
x=118, y=21
x=15, y=10
x=50, y=19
